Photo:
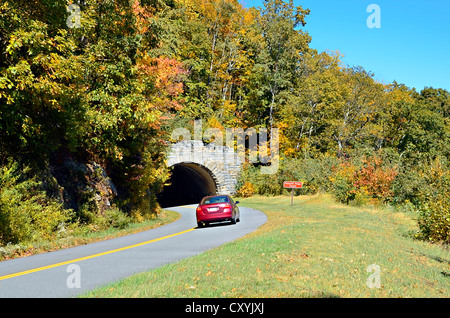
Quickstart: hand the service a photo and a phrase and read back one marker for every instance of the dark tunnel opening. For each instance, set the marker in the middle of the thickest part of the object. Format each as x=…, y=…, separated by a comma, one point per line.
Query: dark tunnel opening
x=189, y=183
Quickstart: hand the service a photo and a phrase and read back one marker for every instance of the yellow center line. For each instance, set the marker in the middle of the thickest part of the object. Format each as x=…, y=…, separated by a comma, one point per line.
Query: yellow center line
x=90, y=256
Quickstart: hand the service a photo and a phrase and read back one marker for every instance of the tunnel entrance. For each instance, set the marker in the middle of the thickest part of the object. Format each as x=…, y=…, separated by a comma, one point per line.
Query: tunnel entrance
x=189, y=183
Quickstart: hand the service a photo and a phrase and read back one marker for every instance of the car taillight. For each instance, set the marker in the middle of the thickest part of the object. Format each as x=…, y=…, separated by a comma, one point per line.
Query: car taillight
x=227, y=208
x=199, y=209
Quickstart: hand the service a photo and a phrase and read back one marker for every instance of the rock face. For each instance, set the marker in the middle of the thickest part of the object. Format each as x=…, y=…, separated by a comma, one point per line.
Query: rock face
x=104, y=189
x=83, y=184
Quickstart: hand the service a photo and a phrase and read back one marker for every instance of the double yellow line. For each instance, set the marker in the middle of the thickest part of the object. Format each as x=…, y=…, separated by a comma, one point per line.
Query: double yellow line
x=38, y=269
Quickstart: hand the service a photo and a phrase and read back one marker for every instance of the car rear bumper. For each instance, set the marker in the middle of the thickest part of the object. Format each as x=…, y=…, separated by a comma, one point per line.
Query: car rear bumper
x=214, y=217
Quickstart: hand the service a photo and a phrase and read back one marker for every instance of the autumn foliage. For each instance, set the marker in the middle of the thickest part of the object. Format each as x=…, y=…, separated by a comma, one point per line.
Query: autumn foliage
x=111, y=90
x=369, y=183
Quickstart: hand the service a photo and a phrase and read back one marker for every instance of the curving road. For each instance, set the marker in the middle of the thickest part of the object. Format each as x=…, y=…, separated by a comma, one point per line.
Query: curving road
x=72, y=271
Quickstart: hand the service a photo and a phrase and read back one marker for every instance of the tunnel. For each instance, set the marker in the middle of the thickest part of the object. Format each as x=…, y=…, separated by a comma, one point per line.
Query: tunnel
x=188, y=184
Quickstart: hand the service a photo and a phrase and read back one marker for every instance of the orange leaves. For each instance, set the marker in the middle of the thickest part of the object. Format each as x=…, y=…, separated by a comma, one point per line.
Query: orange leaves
x=167, y=72
x=142, y=17
x=166, y=75
x=375, y=179
x=372, y=181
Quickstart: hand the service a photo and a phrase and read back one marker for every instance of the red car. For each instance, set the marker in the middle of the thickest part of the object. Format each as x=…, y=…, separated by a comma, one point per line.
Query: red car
x=217, y=208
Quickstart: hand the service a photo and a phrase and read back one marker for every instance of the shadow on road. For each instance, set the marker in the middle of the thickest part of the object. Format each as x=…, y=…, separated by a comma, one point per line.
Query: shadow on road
x=216, y=224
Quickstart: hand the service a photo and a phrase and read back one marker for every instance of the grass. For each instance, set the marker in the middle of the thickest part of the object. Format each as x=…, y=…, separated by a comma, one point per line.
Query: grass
x=316, y=248
x=84, y=235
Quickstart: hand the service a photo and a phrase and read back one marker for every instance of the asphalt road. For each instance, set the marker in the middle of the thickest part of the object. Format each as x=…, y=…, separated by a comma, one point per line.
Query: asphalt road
x=72, y=271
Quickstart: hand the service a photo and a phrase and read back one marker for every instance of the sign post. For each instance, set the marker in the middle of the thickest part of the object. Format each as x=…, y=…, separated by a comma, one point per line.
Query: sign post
x=292, y=185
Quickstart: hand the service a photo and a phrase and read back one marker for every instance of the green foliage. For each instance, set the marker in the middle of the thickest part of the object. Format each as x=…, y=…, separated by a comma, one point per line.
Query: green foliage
x=261, y=184
x=281, y=45
x=112, y=218
x=434, y=220
x=434, y=205
x=39, y=97
x=314, y=173
x=95, y=91
x=342, y=180
x=26, y=213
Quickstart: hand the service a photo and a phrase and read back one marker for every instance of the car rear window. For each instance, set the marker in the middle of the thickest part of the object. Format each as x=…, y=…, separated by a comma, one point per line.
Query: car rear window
x=221, y=199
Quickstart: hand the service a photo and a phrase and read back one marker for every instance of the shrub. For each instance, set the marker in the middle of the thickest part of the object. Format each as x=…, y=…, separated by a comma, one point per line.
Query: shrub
x=314, y=173
x=369, y=183
x=342, y=180
x=434, y=204
x=375, y=179
x=246, y=190
x=262, y=184
x=408, y=185
x=26, y=213
x=434, y=220
x=115, y=218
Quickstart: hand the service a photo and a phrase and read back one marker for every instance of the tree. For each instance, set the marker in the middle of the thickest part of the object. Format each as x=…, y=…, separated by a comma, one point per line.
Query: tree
x=438, y=98
x=355, y=109
x=92, y=92
x=279, y=56
x=304, y=117
x=414, y=124
x=211, y=38
x=129, y=96
x=39, y=91
x=332, y=109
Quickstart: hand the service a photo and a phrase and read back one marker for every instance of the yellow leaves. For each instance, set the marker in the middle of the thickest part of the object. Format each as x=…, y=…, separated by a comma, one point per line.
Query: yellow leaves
x=213, y=122
x=397, y=94
x=247, y=190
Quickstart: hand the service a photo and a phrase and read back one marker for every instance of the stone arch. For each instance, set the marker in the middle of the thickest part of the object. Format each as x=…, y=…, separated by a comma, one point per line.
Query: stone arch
x=211, y=170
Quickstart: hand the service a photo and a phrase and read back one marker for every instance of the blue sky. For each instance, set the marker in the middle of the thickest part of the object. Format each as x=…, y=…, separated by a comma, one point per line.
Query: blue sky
x=412, y=46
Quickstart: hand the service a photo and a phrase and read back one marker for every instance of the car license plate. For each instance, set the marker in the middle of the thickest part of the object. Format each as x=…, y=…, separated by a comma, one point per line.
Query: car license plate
x=213, y=209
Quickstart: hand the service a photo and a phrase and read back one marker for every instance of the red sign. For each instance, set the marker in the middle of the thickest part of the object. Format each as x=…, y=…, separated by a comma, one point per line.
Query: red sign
x=292, y=184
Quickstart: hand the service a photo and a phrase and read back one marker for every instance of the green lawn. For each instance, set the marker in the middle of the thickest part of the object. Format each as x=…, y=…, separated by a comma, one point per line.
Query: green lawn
x=316, y=248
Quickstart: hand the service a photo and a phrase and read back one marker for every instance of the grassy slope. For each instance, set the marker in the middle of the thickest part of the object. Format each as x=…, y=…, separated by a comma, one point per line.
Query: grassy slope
x=317, y=248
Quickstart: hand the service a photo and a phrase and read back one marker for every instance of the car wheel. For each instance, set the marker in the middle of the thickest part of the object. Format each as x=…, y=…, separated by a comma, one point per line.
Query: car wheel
x=201, y=224
x=233, y=220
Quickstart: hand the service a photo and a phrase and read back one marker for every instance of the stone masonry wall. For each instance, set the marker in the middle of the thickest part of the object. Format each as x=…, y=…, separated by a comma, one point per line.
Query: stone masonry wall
x=221, y=162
